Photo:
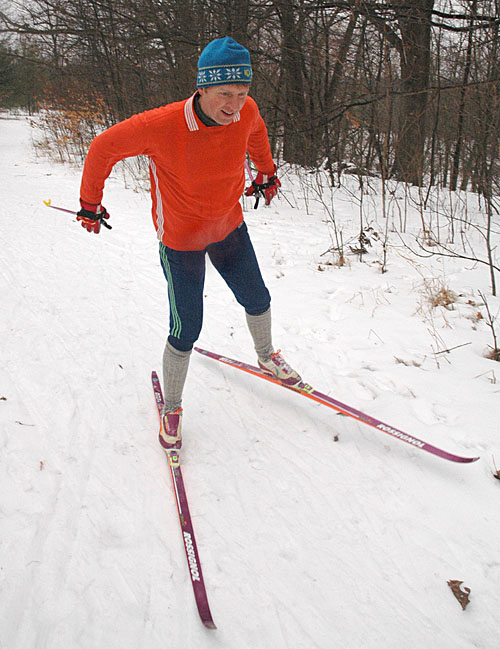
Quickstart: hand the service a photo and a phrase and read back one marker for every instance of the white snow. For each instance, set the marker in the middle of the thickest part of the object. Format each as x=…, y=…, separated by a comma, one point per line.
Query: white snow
x=305, y=543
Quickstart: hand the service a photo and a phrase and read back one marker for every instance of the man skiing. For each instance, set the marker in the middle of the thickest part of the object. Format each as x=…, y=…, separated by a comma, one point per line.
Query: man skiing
x=197, y=150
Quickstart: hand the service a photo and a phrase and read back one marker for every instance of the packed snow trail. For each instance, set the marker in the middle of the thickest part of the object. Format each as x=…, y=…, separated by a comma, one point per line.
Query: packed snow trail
x=307, y=543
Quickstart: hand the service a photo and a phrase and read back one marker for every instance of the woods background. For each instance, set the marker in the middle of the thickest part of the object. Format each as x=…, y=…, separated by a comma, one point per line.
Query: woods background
x=407, y=90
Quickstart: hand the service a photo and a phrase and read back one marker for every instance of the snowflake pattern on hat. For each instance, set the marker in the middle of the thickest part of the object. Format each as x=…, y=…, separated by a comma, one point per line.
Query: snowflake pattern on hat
x=233, y=73
x=215, y=75
x=224, y=74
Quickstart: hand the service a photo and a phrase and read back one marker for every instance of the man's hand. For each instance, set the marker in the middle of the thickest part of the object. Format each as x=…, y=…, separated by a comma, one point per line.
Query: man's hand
x=266, y=186
x=92, y=216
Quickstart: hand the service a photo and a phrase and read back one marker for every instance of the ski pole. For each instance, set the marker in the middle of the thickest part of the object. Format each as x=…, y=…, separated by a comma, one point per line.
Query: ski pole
x=63, y=209
x=258, y=192
x=249, y=171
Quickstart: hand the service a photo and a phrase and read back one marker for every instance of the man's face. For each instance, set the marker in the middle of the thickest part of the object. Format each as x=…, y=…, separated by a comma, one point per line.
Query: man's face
x=221, y=103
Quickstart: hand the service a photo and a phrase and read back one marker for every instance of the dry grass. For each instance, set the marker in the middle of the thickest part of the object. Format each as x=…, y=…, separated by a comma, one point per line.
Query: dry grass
x=493, y=354
x=438, y=294
x=67, y=124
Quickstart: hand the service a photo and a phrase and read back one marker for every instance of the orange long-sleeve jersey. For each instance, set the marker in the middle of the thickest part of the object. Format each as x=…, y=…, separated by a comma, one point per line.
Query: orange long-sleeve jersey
x=197, y=172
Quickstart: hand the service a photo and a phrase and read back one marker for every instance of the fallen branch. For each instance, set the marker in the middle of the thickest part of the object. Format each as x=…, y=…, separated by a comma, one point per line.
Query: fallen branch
x=447, y=351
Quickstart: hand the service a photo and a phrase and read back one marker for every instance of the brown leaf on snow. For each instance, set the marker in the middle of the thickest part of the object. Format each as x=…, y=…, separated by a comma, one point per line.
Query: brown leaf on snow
x=496, y=472
x=463, y=597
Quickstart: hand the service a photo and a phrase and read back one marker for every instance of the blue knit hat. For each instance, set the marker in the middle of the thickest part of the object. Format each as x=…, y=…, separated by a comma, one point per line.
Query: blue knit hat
x=223, y=61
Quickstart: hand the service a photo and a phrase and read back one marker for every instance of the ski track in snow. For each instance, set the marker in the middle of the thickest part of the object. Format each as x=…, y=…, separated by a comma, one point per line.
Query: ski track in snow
x=305, y=543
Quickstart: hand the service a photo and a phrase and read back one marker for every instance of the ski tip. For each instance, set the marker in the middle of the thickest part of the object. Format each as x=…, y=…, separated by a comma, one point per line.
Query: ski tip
x=47, y=203
x=154, y=376
x=462, y=460
x=210, y=624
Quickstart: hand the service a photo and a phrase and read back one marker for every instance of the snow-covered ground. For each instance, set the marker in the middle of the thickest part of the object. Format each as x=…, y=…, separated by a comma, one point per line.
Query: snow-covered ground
x=305, y=542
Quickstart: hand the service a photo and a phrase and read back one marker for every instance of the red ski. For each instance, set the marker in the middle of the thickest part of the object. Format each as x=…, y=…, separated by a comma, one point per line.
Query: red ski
x=193, y=559
x=307, y=391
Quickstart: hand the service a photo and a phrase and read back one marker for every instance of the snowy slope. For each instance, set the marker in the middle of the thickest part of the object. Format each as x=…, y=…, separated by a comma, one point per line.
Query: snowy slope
x=306, y=543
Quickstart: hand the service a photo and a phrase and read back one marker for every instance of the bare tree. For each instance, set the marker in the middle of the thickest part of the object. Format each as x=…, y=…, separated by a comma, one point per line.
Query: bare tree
x=402, y=88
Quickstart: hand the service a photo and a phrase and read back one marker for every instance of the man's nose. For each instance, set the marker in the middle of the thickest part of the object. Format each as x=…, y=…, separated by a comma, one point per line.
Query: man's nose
x=234, y=102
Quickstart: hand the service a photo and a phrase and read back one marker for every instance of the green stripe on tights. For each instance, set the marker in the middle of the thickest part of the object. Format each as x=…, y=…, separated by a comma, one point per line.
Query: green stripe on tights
x=176, y=321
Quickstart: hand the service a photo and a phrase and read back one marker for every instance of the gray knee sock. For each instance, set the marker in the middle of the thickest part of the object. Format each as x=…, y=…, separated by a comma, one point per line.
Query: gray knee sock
x=260, y=329
x=175, y=367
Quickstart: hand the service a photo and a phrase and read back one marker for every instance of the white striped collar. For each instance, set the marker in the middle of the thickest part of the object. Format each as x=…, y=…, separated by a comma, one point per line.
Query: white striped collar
x=189, y=114
x=191, y=122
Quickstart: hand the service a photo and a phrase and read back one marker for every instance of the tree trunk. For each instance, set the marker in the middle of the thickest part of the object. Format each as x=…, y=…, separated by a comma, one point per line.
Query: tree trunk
x=297, y=133
x=461, y=110
x=237, y=17
x=415, y=26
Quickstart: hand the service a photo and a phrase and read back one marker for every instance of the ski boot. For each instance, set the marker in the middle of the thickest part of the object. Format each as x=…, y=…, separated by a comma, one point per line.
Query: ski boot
x=277, y=367
x=170, y=429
